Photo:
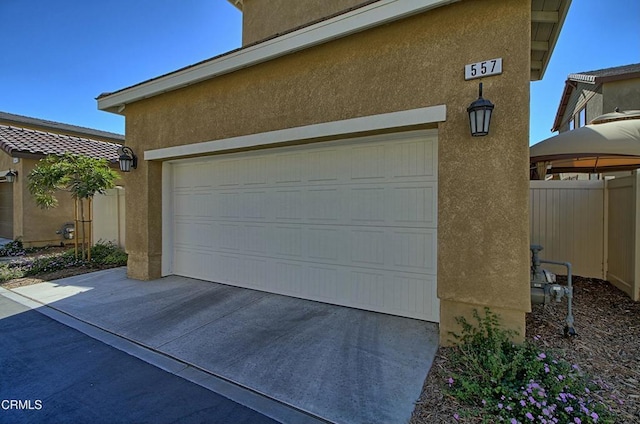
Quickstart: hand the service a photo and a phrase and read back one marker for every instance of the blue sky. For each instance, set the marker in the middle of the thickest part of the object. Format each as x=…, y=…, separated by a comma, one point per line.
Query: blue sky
x=58, y=56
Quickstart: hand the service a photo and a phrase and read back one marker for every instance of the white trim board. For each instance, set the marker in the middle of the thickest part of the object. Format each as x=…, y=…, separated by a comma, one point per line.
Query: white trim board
x=407, y=118
x=372, y=15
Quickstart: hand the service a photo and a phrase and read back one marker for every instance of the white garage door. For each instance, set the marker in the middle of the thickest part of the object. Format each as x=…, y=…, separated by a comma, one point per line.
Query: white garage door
x=351, y=222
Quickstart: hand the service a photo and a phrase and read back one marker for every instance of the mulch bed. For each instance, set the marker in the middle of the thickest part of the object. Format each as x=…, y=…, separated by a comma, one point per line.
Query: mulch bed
x=50, y=276
x=607, y=348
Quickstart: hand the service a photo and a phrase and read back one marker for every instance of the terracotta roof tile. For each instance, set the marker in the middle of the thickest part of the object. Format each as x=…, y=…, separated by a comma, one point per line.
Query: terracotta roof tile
x=45, y=125
x=19, y=142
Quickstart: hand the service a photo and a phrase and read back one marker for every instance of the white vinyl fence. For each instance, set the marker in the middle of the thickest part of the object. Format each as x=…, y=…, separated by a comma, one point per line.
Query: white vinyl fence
x=624, y=237
x=595, y=225
x=109, y=217
x=567, y=219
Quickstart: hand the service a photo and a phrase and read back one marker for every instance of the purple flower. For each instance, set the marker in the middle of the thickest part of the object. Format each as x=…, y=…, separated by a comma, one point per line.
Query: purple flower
x=514, y=421
x=500, y=406
x=594, y=416
x=542, y=355
x=450, y=381
x=577, y=420
x=569, y=409
x=456, y=417
x=529, y=415
x=523, y=403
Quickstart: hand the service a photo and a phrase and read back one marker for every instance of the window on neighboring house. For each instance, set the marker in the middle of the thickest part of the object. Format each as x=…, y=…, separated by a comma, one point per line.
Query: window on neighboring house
x=582, y=117
x=572, y=124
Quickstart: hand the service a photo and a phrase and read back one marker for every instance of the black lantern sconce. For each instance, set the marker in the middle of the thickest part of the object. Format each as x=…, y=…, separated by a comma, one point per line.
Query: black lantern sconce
x=11, y=175
x=480, y=115
x=127, y=159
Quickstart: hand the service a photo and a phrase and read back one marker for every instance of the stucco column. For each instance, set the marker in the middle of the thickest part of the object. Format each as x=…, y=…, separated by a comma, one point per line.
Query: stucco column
x=483, y=216
x=144, y=219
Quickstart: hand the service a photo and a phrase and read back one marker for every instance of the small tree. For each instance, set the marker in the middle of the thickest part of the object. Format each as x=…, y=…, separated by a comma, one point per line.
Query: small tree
x=82, y=176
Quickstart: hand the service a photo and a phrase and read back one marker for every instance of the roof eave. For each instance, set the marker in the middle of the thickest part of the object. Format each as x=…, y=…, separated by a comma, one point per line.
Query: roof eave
x=369, y=16
x=570, y=84
x=59, y=127
x=237, y=3
x=552, y=16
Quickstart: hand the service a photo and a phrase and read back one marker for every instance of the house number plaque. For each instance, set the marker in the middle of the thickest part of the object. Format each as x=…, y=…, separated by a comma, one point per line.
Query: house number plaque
x=483, y=69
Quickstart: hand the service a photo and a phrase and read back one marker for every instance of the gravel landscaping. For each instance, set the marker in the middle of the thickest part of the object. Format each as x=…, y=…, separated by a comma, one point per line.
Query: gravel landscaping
x=607, y=348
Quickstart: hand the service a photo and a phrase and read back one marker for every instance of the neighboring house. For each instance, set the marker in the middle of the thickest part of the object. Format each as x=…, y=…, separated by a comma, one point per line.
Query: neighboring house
x=590, y=94
x=23, y=142
x=323, y=159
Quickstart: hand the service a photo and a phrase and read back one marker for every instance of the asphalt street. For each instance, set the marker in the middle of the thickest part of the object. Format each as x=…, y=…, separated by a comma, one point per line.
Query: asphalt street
x=50, y=373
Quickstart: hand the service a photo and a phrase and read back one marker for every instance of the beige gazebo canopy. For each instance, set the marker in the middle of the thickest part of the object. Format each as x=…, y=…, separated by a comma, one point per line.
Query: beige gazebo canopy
x=610, y=143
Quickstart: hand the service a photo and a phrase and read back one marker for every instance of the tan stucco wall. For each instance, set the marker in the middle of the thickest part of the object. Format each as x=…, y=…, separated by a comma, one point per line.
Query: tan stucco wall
x=143, y=205
x=6, y=199
x=38, y=226
x=584, y=95
x=621, y=94
x=262, y=19
x=483, y=256
x=602, y=98
x=6, y=162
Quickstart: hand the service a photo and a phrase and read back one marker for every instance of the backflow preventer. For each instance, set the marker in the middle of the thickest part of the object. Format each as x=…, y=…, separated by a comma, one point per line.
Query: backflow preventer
x=544, y=287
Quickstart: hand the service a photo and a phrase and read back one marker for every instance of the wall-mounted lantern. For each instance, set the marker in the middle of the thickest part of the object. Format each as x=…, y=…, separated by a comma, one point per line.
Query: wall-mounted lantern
x=480, y=115
x=127, y=159
x=11, y=175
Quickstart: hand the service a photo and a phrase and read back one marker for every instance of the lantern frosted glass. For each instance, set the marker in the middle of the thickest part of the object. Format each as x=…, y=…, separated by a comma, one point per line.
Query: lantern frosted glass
x=480, y=115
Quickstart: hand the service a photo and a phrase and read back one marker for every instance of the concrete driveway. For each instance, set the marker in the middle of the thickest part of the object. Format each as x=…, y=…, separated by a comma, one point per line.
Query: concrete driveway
x=64, y=376
x=341, y=364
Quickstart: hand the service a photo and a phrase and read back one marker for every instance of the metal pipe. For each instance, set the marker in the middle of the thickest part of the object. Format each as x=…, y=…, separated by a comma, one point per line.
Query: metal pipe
x=568, y=329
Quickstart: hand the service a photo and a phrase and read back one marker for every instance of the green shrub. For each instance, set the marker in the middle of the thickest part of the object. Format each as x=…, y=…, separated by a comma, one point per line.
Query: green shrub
x=51, y=263
x=501, y=381
x=108, y=253
x=102, y=254
x=13, y=248
x=16, y=248
x=8, y=273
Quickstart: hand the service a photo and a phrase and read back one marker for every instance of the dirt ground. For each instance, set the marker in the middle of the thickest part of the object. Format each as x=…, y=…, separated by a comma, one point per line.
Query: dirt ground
x=607, y=348
x=50, y=276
